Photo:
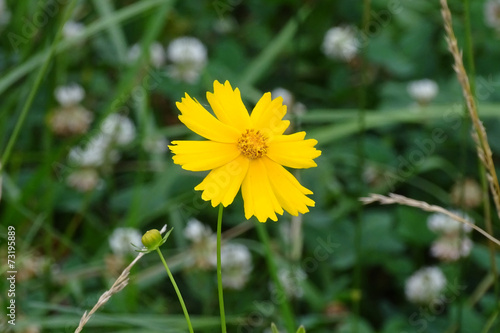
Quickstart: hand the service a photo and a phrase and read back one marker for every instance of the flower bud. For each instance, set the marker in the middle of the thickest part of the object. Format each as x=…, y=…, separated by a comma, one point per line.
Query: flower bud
x=152, y=239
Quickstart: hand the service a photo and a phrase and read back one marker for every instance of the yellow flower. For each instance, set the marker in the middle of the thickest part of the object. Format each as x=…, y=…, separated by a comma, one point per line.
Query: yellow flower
x=247, y=151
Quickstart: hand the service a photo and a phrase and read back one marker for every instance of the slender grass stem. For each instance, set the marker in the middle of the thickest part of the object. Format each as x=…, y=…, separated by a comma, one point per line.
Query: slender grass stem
x=469, y=53
x=219, y=271
x=362, y=93
x=286, y=309
x=181, y=300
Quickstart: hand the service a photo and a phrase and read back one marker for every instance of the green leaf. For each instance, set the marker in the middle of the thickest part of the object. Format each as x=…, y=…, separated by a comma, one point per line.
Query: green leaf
x=301, y=329
x=412, y=226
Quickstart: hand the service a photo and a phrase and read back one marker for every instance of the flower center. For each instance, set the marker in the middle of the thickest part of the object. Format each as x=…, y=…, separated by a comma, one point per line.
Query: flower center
x=252, y=144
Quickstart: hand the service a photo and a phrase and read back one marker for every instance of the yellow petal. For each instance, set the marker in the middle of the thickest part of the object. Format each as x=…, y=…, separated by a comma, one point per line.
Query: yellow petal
x=203, y=155
x=293, y=151
x=268, y=114
x=200, y=121
x=258, y=196
x=228, y=106
x=222, y=184
x=290, y=194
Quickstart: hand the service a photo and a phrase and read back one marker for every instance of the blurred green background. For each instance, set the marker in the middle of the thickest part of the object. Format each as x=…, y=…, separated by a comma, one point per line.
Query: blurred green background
x=375, y=136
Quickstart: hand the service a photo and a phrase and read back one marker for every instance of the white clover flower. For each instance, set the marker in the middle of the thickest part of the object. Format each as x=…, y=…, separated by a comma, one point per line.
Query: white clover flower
x=94, y=154
x=155, y=144
x=341, y=43
x=72, y=120
x=293, y=106
x=467, y=193
x=291, y=279
x=196, y=231
x=423, y=91
x=69, y=95
x=187, y=49
x=236, y=264
x=287, y=96
x=4, y=13
x=83, y=180
x=442, y=223
x=425, y=286
x=204, y=244
x=157, y=55
x=119, y=129
x=133, y=53
x=492, y=13
x=121, y=241
x=451, y=247
x=224, y=25
x=73, y=29
x=188, y=56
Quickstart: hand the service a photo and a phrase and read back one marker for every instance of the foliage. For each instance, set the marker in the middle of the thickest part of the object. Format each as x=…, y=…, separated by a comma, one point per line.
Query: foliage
x=373, y=136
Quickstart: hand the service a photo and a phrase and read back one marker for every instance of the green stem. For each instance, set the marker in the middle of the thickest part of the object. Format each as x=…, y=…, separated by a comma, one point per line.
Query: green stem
x=219, y=271
x=181, y=300
x=362, y=93
x=286, y=309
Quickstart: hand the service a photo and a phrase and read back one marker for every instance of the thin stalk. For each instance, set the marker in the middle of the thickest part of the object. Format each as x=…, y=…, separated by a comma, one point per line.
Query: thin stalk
x=490, y=322
x=286, y=309
x=181, y=300
x=469, y=52
x=219, y=271
x=362, y=93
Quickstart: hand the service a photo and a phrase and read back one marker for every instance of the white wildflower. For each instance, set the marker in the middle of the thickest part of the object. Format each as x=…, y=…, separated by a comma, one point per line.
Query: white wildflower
x=156, y=54
x=423, y=91
x=69, y=95
x=83, y=180
x=119, y=129
x=71, y=120
x=225, y=25
x=121, y=241
x=425, y=286
x=287, y=96
x=155, y=144
x=94, y=154
x=204, y=243
x=442, y=223
x=467, y=193
x=196, y=231
x=291, y=279
x=341, y=43
x=73, y=29
x=293, y=106
x=451, y=247
x=4, y=13
x=492, y=13
x=188, y=56
x=236, y=263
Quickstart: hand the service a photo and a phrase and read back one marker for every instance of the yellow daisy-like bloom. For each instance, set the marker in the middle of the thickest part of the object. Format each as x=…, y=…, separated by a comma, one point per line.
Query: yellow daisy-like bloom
x=247, y=151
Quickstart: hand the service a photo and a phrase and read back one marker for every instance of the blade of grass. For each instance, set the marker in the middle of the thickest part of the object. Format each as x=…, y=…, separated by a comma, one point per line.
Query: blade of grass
x=36, y=84
x=119, y=16
x=265, y=59
x=128, y=80
x=330, y=133
x=106, y=10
